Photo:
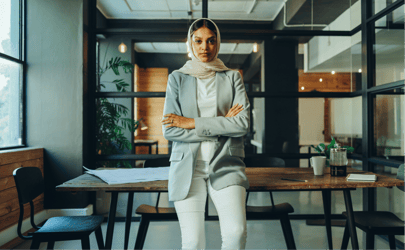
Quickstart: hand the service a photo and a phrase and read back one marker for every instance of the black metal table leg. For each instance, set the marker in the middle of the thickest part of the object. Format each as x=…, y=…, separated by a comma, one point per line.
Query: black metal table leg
x=350, y=219
x=128, y=218
x=326, y=197
x=111, y=220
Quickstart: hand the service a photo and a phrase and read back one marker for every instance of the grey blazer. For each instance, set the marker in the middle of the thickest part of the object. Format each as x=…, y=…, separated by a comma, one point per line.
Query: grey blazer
x=227, y=167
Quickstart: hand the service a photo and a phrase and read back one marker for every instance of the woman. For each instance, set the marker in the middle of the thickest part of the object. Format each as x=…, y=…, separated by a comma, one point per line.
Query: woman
x=206, y=113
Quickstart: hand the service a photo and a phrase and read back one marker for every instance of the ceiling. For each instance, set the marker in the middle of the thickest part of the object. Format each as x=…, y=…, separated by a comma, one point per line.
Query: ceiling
x=226, y=48
x=254, y=10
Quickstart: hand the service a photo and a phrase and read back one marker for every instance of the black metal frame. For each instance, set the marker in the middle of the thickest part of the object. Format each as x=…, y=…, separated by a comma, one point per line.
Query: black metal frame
x=22, y=49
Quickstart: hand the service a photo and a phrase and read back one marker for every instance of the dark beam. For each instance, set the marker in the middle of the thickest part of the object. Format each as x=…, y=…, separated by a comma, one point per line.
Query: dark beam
x=205, y=8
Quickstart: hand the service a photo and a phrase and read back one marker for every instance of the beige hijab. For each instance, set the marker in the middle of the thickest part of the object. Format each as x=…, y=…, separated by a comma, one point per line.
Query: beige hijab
x=195, y=67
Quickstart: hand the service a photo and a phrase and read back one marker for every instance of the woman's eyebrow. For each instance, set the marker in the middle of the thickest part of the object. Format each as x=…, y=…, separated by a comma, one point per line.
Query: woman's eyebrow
x=207, y=38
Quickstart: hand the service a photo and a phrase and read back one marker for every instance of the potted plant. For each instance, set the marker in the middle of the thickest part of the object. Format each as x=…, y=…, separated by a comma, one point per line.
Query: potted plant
x=325, y=150
x=111, y=121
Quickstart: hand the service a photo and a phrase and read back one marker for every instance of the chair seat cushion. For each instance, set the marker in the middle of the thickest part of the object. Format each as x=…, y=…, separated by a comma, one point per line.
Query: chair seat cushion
x=71, y=224
x=377, y=219
x=283, y=208
x=146, y=209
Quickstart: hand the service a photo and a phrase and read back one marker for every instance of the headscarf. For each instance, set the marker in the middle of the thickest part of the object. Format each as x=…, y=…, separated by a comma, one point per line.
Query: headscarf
x=195, y=67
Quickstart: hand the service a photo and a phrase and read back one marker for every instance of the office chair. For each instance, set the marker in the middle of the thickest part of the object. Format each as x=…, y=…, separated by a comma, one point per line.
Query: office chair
x=377, y=223
x=273, y=212
x=148, y=213
x=30, y=184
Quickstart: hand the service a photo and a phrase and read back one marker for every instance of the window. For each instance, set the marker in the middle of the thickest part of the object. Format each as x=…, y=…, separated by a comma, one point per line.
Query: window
x=12, y=67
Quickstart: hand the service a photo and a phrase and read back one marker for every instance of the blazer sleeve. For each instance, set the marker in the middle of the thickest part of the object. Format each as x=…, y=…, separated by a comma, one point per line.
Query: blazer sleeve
x=172, y=105
x=236, y=126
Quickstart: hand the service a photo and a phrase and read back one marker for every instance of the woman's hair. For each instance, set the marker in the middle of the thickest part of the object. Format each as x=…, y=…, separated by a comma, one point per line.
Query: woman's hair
x=203, y=23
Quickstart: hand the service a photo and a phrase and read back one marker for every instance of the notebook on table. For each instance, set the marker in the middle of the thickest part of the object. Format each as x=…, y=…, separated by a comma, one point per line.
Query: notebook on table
x=362, y=177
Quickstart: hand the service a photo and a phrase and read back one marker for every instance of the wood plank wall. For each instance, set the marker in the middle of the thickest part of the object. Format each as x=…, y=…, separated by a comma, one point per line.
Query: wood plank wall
x=9, y=208
x=150, y=109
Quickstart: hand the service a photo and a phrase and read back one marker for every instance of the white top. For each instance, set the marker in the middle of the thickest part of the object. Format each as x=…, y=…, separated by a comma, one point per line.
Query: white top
x=207, y=107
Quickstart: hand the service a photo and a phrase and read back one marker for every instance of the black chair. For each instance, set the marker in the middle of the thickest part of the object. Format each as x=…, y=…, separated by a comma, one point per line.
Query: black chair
x=149, y=213
x=377, y=223
x=30, y=184
x=273, y=212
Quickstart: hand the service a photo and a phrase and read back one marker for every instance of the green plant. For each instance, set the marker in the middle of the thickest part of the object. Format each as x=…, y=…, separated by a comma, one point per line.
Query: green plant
x=110, y=117
x=321, y=148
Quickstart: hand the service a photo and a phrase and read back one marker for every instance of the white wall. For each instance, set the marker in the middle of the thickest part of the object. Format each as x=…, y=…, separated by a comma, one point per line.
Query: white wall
x=55, y=93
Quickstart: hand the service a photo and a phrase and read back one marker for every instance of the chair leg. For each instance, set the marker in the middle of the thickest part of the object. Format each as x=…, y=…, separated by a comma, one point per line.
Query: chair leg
x=287, y=231
x=346, y=236
x=99, y=237
x=35, y=244
x=128, y=218
x=86, y=242
x=369, y=241
x=393, y=245
x=143, y=229
x=51, y=244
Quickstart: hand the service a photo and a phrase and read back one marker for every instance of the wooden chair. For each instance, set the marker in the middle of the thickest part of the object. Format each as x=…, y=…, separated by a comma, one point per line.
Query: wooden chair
x=377, y=223
x=30, y=184
x=273, y=212
x=152, y=213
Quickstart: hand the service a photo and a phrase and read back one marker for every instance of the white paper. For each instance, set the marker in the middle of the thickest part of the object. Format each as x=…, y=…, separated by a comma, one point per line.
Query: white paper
x=133, y=175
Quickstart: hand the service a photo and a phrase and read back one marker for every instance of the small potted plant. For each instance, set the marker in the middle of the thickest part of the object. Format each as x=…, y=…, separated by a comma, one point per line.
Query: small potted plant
x=325, y=150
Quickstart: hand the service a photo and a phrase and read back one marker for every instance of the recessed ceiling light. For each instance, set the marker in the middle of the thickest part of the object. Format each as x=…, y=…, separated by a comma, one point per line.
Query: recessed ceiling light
x=333, y=72
x=302, y=88
x=255, y=47
x=320, y=79
x=359, y=70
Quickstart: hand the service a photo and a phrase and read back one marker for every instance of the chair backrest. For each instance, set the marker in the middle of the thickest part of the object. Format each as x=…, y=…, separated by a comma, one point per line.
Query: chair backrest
x=159, y=162
x=264, y=161
x=29, y=183
x=400, y=175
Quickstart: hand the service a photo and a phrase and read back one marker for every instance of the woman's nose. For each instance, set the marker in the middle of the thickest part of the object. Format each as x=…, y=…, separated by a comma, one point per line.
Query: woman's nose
x=204, y=46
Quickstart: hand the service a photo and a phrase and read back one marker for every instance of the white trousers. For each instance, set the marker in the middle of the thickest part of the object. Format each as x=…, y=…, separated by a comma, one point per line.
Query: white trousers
x=229, y=203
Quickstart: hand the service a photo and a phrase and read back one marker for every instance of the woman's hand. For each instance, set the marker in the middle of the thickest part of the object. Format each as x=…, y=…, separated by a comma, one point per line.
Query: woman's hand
x=234, y=110
x=178, y=121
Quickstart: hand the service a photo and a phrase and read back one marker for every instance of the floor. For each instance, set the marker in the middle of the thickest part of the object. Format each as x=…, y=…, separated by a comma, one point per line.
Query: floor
x=261, y=235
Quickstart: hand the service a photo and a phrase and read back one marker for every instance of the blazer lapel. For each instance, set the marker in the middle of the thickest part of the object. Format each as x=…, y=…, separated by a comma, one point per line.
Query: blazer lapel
x=224, y=93
x=189, y=98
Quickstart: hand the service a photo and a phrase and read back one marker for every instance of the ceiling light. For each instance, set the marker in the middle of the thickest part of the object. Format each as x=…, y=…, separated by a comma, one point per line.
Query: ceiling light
x=302, y=88
x=320, y=79
x=122, y=48
x=333, y=72
x=255, y=47
x=359, y=70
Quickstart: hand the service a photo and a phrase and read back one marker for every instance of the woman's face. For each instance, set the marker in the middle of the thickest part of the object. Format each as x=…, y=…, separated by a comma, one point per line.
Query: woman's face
x=204, y=44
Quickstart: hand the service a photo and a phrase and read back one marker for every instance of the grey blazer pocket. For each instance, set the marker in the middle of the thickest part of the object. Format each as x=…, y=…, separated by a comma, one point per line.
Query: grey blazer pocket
x=237, y=151
x=176, y=156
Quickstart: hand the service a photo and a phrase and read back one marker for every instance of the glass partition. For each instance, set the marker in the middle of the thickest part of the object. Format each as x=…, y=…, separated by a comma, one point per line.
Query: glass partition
x=389, y=48
x=389, y=124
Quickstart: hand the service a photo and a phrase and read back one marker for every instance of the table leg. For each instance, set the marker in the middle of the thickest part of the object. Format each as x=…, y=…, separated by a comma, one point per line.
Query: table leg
x=150, y=149
x=128, y=218
x=350, y=219
x=326, y=197
x=111, y=220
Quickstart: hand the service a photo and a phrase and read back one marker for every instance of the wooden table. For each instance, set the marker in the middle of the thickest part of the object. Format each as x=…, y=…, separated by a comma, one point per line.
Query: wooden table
x=261, y=179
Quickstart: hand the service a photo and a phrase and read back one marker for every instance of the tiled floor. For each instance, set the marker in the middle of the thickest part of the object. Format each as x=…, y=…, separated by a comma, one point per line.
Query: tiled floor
x=261, y=235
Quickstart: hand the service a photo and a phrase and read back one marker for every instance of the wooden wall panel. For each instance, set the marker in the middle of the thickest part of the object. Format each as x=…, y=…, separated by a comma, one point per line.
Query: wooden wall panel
x=9, y=208
x=338, y=82
x=151, y=109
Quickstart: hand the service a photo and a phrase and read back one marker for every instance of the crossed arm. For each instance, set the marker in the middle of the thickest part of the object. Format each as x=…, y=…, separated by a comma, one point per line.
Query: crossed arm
x=179, y=128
